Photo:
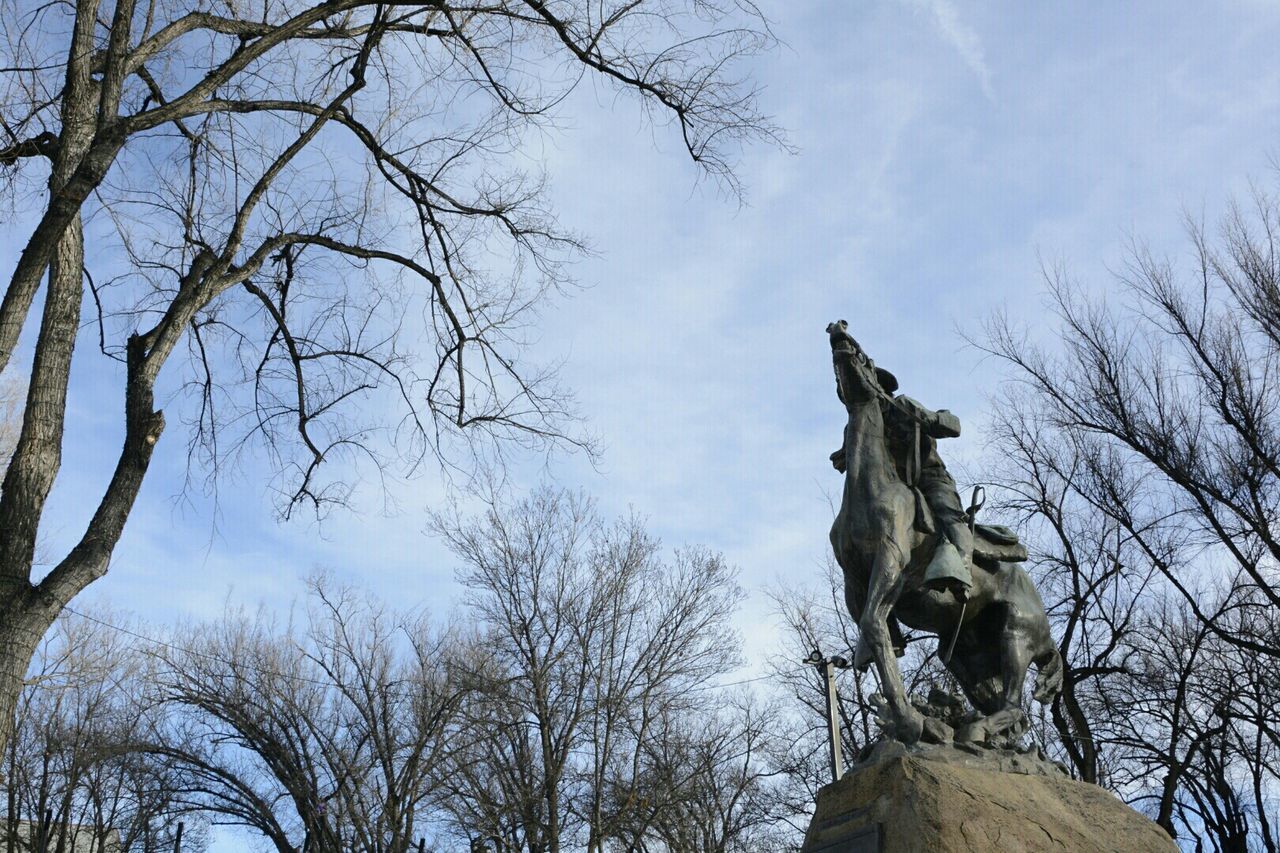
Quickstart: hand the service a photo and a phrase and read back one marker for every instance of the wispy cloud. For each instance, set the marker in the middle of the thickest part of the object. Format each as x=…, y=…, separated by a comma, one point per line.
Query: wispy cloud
x=962, y=38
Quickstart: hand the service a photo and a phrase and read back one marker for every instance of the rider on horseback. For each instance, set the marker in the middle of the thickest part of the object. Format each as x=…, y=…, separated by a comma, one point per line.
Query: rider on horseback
x=898, y=521
x=912, y=433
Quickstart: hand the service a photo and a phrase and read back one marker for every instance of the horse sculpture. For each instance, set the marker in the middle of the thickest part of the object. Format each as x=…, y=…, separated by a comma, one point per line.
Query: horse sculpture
x=998, y=627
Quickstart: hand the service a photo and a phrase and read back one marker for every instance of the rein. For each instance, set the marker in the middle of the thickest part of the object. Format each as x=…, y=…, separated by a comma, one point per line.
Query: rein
x=913, y=462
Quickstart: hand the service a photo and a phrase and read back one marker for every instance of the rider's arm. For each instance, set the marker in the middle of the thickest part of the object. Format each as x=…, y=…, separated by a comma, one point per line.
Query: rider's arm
x=939, y=424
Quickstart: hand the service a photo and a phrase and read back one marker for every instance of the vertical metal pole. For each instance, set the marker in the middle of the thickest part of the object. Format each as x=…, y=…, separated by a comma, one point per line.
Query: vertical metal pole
x=422, y=845
x=177, y=839
x=833, y=720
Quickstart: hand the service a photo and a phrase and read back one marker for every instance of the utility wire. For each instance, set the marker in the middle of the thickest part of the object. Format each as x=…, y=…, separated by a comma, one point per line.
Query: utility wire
x=302, y=678
x=733, y=683
x=189, y=651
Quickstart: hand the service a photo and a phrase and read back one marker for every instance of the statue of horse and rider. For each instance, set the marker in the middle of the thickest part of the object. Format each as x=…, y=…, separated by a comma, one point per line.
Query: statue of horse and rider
x=912, y=554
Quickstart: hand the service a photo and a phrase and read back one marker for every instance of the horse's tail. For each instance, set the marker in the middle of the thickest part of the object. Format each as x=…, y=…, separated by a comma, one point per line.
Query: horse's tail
x=1048, y=678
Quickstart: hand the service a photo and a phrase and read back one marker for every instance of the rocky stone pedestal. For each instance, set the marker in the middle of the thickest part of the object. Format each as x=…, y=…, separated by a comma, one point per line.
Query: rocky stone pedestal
x=944, y=799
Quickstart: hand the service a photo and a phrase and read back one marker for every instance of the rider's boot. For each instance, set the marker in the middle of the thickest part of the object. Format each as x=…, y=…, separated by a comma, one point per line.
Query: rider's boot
x=952, y=559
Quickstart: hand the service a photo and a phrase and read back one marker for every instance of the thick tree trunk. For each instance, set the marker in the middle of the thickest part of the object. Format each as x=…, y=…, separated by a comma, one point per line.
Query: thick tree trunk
x=25, y=611
x=23, y=622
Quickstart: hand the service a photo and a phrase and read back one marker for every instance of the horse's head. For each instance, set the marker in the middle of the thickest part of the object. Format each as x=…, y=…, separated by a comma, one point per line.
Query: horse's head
x=856, y=378
x=840, y=337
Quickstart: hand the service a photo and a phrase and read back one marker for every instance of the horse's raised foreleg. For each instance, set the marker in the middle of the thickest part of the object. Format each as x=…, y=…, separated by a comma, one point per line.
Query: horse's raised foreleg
x=873, y=627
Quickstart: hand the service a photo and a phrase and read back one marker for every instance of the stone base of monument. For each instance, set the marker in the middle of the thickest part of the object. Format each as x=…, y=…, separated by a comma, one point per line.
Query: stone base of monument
x=946, y=799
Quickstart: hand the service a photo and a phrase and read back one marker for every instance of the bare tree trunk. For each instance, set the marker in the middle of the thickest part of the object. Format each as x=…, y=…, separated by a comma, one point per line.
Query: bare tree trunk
x=25, y=614
x=1077, y=736
x=21, y=627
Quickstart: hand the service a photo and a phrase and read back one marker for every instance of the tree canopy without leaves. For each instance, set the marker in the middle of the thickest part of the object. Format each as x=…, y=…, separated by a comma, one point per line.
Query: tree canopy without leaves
x=324, y=208
x=325, y=736
x=73, y=778
x=590, y=715
x=1139, y=451
x=573, y=705
x=1168, y=402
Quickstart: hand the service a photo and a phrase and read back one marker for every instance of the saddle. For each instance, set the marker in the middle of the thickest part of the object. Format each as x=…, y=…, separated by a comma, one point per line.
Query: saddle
x=991, y=542
x=996, y=542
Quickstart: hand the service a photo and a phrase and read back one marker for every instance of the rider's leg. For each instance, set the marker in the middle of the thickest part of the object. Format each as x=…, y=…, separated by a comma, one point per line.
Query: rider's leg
x=957, y=530
x=939, y=490
x=950, y=567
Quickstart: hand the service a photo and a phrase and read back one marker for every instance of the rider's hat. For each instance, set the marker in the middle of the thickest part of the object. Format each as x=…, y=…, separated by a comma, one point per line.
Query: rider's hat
x=887, y=380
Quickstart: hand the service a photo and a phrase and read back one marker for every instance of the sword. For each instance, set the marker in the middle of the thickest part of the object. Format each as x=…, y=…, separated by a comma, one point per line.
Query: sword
x=976, y=500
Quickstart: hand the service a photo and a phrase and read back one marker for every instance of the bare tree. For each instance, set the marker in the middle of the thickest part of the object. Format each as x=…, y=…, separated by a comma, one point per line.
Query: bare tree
x=72, y=777
x=1141, y=446
x=236, y=165
x=1092, y=577
x=590, y=641
x=1175, y=394
x=1152, y=706
x=711, y=783
x=1180, y=752
x=322, y=738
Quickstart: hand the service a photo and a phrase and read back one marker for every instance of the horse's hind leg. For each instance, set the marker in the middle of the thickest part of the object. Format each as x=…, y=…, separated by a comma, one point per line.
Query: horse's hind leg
x=1007, y=723
x=1015, y=659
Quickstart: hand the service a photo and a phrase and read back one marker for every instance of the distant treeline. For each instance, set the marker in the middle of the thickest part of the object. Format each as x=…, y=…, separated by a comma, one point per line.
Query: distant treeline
x=570, y=703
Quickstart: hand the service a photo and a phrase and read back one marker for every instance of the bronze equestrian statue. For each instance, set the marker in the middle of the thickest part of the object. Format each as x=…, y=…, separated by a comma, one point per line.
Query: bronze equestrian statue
x=911, y=554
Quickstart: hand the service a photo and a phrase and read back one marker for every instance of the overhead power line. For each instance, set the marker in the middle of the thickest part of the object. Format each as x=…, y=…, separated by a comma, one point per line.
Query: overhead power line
x=302, y=678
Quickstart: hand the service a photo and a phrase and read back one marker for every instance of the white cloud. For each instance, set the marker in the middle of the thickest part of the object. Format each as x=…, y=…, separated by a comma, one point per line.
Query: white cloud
x=962, y=38
x=914, y=206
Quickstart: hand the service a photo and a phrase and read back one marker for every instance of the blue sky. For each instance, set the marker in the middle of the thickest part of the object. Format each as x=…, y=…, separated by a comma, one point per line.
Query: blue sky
x=944, y=148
